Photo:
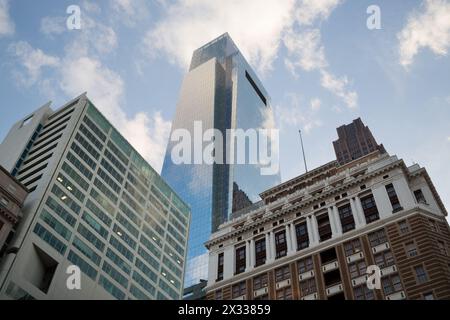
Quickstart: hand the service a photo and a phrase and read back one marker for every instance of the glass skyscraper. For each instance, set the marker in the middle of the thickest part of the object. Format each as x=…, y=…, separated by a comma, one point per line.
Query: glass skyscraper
x=221, y=91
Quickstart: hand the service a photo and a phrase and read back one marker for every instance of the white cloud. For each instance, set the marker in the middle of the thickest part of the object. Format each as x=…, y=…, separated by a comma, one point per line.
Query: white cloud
x=32, y=60
x=130, y=12
x=148, y=134
x=448, y=139
x=293, y=112
x=338, y=86
x=94, y=37
x=53, y=25
x=304, y=50
x=6, y=24
x=309, y=11
x=255, y=27
x=81, y=69
x=315, y=104
x=429, y=28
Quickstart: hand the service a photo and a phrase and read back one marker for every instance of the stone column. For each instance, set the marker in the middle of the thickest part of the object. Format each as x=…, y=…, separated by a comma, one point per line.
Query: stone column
x=315, y=229
x=331, y=217
x=309, y=227
x=337, y=221
x=288, y=239
x=229, y=265
x=294, y=238
x=355, y=214
x=360, y=211
x=212, y=267
x=382, y=200
x=247, y=255
x=272, y=246
x=268, y=253
x=252, y=254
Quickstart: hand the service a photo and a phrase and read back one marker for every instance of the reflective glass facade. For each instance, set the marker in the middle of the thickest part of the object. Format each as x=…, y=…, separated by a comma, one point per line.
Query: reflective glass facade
x=222, y=92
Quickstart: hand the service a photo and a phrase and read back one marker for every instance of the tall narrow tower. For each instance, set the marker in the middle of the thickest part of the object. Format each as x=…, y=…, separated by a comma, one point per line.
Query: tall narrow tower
x=220, y=91
x=355, y=140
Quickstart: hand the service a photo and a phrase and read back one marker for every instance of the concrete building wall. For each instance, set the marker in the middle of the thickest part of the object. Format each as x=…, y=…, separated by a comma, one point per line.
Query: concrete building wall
x=95, y=203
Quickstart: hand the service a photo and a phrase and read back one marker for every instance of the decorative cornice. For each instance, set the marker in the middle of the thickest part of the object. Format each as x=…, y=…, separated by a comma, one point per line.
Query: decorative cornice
x=305, y=203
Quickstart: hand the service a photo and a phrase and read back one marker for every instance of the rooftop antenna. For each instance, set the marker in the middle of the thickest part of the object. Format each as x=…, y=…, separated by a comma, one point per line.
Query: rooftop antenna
x=303, y=150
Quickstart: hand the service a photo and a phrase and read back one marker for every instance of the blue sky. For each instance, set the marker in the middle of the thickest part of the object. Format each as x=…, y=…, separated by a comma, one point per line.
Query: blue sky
x=321, y=64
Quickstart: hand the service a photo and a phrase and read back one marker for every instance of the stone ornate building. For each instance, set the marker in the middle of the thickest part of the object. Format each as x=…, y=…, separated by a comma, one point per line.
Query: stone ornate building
x=314, y=236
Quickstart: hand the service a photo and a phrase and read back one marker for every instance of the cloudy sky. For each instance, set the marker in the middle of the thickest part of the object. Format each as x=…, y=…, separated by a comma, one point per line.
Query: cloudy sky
x=321, y=64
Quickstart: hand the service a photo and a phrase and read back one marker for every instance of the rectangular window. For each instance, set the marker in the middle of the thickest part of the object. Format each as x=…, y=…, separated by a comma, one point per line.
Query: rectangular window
x=83, y=155
x=433, y=225
x=393, y=198
x=420, y=198
x=282, y=273
x=403, y=226
x=118, y=261
x=305, y=265
x=86, y=250
x=144, y=283
x=111, y=288
x=260, y=252
x=220, y=264
x=301, y=232
x=60, y=211
x=384, y=259
x=284, y=294
x=324, y=226
x=91, y=137
x=378, y=237
x=370, y=208
x=391, y=284
x=346, y=217
x=280, y=244
x=89, y=236
x=442, y=248
x=240, y=260
x=328, y=256
x=411, y=249
x=260, y=282
x=363, y=293
x=352, y=247
x=48, y=237
x=94, y=128
x=421, y=275
x=357, y=269
x=308, y=286
x=239, y=290
x=116, y=275
x=55, y=225
x=83, y=265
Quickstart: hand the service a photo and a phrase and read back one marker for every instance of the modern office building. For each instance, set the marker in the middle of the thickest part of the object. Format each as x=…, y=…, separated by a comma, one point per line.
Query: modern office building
x=314, y=237
x=95, y=203
x=12, y=197
x=220, y=91
x=354, y=141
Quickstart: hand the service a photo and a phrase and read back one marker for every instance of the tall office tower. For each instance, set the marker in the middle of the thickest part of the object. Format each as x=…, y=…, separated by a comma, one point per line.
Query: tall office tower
x=95, y=203
x=355, y=140
x=315, y=236
x=220, y=91
x=12, y=197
